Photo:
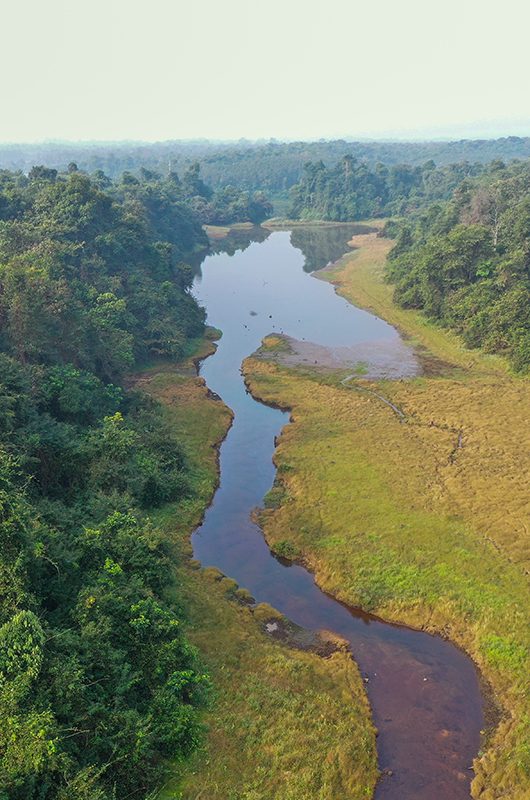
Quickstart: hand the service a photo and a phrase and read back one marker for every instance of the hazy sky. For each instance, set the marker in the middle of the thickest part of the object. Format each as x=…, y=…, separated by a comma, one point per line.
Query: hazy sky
x=160, y=69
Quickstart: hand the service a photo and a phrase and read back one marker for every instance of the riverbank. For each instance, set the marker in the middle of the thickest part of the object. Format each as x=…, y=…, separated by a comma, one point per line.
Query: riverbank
x=359, y=276
x=418, y=516
x=219, y=232
x=284, y=723
x=284, y=223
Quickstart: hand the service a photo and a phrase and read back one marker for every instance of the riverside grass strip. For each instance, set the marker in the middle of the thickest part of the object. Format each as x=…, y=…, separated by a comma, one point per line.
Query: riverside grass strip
x=284, y=724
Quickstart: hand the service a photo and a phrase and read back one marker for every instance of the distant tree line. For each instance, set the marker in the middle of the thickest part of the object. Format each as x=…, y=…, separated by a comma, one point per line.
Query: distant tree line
x=272, y=167
x=354, y=190
x=466, y=262
x=99, y=687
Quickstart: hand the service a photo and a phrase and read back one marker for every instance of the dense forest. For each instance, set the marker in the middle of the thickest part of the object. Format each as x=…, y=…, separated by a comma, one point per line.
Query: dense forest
x=271, y=166
x=225, y=205
x=466, y=262
x=98, y=685
x=353, y=190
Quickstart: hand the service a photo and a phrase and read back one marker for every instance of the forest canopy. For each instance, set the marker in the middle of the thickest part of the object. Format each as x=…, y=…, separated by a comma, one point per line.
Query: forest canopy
x=269, y=166
x=353, y=190
x=99, y=687
x=466, y=262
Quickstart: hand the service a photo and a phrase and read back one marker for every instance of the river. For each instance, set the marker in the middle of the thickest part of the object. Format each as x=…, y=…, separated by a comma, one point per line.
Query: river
x=424, y=692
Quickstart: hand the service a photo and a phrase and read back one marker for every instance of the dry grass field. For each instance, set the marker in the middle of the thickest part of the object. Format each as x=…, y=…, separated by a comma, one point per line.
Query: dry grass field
x=421, y=518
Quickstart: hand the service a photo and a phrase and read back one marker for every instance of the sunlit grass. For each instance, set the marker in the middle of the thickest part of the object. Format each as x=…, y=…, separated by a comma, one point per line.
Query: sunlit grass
x=424, y=520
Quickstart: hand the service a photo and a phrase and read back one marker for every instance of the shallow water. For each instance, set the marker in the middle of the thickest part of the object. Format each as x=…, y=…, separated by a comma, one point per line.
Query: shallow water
x=424, y=692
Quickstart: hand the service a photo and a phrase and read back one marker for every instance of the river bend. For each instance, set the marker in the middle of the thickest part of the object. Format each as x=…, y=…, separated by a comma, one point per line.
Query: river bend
x=424, y=692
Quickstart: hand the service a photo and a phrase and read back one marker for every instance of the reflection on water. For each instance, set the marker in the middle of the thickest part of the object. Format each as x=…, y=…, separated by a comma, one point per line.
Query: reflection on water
x=324, y=244
x=320, y=245
x=424, y=692
x=239, y=239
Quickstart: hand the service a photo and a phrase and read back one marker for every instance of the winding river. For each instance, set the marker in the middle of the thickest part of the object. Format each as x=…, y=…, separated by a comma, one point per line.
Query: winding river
x=424, y=692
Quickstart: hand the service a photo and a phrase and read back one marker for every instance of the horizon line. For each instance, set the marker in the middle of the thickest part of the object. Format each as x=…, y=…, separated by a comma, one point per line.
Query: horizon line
x=383, y=139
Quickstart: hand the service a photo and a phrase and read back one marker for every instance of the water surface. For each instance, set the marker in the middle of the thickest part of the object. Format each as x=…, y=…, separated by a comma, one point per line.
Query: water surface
x=424, y=692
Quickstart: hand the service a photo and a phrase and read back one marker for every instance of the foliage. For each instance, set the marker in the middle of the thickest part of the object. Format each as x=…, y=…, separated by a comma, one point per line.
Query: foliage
x=92, y=658
x=85, y=279
x=227, y=204
x=352, y=189
x=271, y=166
x=466, y=263
x=99, y=687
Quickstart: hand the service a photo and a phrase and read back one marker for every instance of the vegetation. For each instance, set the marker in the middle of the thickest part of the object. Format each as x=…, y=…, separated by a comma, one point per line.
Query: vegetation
x=226, y=205
x=353, y=190
x=272, y=704
x=466, y=263
x=428, y=531
x=98, y=685
x=101, y=691
x=272, y=167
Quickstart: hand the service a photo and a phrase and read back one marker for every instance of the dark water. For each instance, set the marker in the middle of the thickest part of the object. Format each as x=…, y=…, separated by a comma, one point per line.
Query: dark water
x=424, y=692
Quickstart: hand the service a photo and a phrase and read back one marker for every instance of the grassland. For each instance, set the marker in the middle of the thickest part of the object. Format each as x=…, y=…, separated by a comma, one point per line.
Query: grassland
x=285, y=724
x=421, y=518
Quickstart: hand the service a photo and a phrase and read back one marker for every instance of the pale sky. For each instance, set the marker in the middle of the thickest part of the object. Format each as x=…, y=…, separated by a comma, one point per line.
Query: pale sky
x=172, y=69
